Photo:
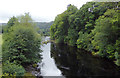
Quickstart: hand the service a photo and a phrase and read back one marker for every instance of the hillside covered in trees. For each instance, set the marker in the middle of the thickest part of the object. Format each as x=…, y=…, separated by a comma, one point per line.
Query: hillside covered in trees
x=44, y=27
x=94, y=27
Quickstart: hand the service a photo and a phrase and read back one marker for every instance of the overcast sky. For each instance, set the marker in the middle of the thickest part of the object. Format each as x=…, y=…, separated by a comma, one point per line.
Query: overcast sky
x=40, y=10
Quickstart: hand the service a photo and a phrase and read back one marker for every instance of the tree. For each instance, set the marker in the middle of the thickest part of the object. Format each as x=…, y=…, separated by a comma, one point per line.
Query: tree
x=12, y=70
x=26, y=20
x=94, y=27
x=12, y=21
x=106, y=32
x=22, y=43
x=59, y=30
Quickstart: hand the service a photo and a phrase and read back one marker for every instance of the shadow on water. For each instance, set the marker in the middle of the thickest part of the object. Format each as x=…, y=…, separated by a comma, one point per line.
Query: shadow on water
x=75, y=62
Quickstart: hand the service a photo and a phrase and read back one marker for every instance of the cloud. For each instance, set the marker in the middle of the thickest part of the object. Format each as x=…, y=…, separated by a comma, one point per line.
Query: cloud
x=40, y=10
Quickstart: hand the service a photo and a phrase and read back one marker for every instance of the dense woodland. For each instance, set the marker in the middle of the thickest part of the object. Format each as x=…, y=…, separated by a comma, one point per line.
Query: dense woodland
x=94, y=27
x=44, y=27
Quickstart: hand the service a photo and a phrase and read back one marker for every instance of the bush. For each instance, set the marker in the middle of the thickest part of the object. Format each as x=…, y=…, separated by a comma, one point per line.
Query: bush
x=21, y=44
x=12, y=69
x=7, y=75
x=117, y=57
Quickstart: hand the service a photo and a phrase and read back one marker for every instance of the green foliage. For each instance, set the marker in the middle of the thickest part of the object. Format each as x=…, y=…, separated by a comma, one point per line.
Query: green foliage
x=12, y=69
x=106, y=33
x=26, y=20
x=12, y=21
x=84, y=41
x=117, y=53
x=117, y=45
x=111, y=51
x=21, y=44
x=26, y=75
x=94, y=27
x=7, y=75
x=117, y=57
x=81, y=40
x=60, y=29
x=61, y=26
x=44, y=27
x=34, y=65
x=68, y=24
x=72, y=36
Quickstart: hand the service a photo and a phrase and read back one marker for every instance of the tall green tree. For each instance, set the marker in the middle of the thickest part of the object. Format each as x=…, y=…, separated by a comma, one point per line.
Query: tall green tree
x=22, y=42
x=94, y=27
x=59, y=30
x=12, y=21
x=106, y=31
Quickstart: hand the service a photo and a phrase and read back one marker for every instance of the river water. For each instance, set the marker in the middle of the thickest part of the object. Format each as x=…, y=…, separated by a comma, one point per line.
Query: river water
x=63, y=60
x=48, y=66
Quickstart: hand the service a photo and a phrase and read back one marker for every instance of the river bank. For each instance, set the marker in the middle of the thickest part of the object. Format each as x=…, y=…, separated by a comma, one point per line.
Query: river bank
x=77, y=62
x=47, y=66
x=32, y=71
x=64, y=60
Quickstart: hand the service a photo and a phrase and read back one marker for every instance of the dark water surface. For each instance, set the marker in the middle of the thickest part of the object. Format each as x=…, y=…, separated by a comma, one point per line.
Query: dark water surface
x=63, y=60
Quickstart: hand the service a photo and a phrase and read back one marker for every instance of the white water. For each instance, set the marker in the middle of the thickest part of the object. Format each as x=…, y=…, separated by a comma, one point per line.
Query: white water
x=48, y=67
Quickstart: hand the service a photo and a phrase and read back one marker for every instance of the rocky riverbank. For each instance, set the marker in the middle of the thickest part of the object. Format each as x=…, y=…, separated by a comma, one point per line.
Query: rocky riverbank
x=33, y=70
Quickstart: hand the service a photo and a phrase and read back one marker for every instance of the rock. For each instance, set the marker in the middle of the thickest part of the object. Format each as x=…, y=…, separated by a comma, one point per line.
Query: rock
x=35, y=71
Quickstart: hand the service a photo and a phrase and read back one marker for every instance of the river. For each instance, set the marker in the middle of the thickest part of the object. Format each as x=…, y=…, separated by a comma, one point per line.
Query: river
x=48, y=66
x=63, y=60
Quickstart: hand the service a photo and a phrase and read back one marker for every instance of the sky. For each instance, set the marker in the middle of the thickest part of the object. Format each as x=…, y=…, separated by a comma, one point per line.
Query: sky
x=40, y=10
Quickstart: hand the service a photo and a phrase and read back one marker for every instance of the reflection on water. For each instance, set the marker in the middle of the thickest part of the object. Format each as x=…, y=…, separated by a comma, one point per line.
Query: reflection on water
x=75, y=62
x=65, y=61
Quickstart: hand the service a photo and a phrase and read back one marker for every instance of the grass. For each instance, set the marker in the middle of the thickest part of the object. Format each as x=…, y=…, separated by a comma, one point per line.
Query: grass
x=0, y=39
x=0, y=54
x=0, y=45
x=0, y=69
x=28, y=75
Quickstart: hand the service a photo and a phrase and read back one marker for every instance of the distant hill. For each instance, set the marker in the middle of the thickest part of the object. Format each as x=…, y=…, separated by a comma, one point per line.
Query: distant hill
x=3, y=24
x=44, y=27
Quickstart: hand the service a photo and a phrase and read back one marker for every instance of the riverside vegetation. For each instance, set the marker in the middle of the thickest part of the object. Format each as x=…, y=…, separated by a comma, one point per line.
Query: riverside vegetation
x=94, y=27
x=21, y=45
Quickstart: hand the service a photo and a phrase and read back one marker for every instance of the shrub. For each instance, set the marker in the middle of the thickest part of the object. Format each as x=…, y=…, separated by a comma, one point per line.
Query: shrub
x=13, y=69
x=21, y=44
